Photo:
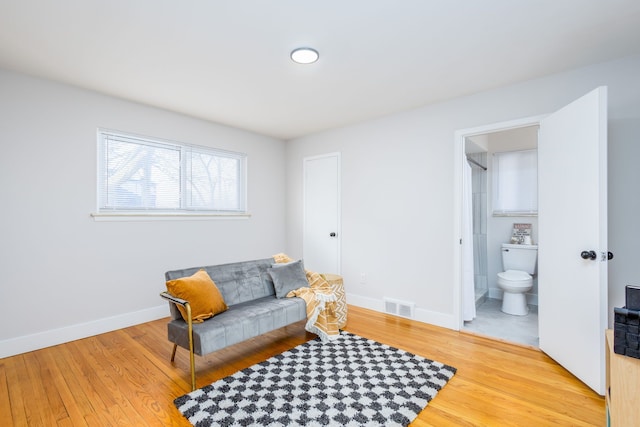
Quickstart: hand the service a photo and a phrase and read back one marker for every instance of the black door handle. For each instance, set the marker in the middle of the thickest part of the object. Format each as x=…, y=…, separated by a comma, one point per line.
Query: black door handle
x=609, y=255
x=332, y=234
x=589, y=255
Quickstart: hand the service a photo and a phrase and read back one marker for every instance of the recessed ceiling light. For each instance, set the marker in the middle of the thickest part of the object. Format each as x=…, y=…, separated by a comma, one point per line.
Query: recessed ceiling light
x=304, y=55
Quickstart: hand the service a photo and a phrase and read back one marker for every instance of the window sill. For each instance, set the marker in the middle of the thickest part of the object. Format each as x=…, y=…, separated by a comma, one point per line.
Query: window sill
x=165, y=216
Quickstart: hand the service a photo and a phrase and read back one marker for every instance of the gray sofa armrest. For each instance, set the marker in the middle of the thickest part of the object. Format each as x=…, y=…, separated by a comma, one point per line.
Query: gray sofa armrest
x=175, y=300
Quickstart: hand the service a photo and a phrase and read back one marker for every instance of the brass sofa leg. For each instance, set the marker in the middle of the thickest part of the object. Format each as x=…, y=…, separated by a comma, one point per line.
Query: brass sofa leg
x=192, y=360
x=193, y=372
x=173, y=353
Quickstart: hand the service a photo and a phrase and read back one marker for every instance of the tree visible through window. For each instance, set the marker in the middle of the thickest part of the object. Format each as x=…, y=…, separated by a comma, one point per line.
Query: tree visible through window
x=145, y=174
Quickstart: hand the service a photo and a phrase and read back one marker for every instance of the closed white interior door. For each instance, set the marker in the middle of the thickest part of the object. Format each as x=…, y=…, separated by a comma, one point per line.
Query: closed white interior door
x=321, y=235
x=572, y=183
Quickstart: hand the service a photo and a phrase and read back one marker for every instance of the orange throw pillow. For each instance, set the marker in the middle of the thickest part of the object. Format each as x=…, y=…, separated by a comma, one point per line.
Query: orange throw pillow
x=202, y=293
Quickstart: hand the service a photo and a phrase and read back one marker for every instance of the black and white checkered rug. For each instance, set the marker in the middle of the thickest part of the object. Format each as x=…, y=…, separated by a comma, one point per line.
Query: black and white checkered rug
x=350, y=381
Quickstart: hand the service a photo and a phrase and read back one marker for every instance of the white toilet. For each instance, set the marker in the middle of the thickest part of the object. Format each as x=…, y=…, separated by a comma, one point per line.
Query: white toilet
x=519, y=262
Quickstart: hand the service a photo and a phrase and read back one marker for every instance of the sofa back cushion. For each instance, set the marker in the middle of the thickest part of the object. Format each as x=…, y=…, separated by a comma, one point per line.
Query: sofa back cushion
x=238, y=282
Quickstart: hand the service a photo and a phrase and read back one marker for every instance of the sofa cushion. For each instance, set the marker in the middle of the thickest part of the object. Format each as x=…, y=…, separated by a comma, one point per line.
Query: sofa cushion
x=288, y=277
x=204, y=297
x=240, y=322
x=238, y=282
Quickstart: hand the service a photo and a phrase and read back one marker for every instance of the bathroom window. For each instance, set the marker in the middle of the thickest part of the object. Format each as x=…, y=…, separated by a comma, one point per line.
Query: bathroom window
x=515, y=183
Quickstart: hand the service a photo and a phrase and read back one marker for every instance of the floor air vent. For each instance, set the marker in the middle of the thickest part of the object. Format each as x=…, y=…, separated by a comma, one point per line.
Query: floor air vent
x=399, y=308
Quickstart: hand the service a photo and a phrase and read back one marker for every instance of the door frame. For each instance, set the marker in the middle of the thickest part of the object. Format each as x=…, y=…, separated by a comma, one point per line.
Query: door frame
x=458, y=159
x=337, y=155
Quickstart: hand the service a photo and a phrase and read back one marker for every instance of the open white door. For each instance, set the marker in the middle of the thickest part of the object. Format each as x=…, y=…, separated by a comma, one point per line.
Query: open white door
x=572, y=206
x=321, y=237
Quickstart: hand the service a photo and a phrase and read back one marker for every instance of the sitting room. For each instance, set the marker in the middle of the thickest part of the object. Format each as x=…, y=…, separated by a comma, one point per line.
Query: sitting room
x=254, y=213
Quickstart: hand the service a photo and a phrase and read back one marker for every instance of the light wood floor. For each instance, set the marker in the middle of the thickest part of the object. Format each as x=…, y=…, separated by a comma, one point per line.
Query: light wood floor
x=125, y=377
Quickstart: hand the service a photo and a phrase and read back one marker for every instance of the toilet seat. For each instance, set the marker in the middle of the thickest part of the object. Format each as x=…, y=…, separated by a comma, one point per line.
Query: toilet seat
x=515, y=281
x=515, y=276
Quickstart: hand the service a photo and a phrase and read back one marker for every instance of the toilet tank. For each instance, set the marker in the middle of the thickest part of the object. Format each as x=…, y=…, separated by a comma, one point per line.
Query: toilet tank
x=519, y=257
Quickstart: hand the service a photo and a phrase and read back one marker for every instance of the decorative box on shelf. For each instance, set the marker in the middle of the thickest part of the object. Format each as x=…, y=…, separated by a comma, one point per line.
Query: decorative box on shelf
x=626, y=332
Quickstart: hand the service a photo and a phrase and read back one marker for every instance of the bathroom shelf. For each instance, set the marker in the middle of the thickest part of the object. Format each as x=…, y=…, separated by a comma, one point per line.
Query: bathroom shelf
x=623, y=387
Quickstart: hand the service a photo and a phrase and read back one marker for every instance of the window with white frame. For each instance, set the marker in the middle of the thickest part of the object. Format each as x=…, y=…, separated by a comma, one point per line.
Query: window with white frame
x=142, y=174
x=515, y=183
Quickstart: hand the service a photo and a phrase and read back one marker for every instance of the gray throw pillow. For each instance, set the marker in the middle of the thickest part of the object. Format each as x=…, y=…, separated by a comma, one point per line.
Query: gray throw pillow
x=288, y=277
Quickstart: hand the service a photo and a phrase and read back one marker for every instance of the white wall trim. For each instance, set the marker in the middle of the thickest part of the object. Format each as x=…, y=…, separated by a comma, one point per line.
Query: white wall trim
x=52, y=337
x=157, y=216
x=420, y=314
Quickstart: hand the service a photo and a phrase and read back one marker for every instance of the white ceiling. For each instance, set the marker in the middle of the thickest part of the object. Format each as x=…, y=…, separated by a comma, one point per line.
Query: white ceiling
x=228, y=60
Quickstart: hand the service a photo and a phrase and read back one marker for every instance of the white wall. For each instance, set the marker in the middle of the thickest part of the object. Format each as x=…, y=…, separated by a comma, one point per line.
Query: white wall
x=398, y=175
x=65, y=275
x=624, y=204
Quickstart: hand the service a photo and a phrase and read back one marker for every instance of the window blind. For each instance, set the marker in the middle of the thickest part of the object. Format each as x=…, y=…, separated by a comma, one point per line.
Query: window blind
x=145, y=174
x=515, y=183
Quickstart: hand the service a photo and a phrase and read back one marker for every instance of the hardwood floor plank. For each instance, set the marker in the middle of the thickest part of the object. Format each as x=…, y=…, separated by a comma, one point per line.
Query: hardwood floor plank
x=125, y=377
x=75, y=417
x=439, y=418
x=5, y=402
x=42, y=395
x=89, y=403
x=145, y=380
x=156, y=351
x=65, y=422
x=119, y=379
x=491, y=407
x=20, y=389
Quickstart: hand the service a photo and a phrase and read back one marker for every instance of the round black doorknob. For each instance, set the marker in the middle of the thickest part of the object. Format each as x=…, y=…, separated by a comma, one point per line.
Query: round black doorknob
x=589, y=255
x=609, y=255
x=332, y=234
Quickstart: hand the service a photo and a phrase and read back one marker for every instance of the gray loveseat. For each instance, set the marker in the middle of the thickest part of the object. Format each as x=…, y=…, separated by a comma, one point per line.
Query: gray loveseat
x=253, y=309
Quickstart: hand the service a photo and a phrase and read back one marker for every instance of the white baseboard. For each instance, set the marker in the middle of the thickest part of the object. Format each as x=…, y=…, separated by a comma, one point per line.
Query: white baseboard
x=23, y=344
x=52, y=337
x=495, y=293
x=420, y=314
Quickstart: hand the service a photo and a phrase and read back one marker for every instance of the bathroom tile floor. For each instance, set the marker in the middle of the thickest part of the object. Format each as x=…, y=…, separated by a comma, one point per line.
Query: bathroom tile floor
x=491, y=321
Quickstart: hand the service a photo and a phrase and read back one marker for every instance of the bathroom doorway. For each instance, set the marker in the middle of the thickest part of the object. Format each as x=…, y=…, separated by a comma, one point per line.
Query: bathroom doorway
x=490, y=229
x=572, y=147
